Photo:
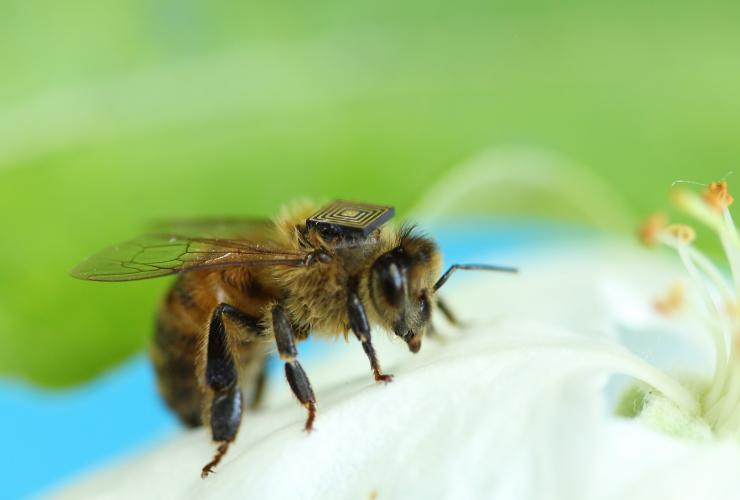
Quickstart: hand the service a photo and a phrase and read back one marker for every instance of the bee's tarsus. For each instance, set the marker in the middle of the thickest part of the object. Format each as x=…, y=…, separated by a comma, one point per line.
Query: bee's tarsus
x=308, y=428
x=220, y=452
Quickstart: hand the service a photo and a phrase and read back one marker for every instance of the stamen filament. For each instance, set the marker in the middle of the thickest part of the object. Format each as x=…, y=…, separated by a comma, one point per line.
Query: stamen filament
x=721, y=412
x=714, y=274
x=729, y=238
x=722, y=401
x=719, y=336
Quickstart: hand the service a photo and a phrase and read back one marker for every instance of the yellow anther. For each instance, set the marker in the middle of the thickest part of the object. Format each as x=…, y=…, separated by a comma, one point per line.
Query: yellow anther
x=673, y=301
x=681, y=232
x=649, y=229
x=717, y=196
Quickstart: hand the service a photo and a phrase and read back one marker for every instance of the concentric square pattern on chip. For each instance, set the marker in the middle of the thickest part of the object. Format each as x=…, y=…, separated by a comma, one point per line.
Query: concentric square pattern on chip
x=350, y=218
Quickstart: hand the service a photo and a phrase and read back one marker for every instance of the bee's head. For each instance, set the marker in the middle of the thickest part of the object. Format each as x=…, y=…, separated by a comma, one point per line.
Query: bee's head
x=402, y=286
x=403, y=283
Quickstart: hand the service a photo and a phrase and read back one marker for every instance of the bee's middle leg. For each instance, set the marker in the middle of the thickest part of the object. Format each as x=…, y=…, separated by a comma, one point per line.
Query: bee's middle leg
x=221, y=378
x=297, y=379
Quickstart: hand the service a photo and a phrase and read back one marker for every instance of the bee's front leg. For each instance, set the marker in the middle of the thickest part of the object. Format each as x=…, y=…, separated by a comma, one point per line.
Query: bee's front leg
x=448, y=314
x=359, y=324
x=297, y=379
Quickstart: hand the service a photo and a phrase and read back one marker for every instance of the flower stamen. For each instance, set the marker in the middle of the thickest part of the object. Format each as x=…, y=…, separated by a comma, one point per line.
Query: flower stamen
x=717, y=196
x=653, y=225
x=721, y=401
x=672, y=301
x=682, y=232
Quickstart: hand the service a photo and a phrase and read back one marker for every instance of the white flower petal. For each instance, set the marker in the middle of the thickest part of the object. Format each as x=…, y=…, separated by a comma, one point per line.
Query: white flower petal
x=604, y=287
x=485, y=413
x=513, y=407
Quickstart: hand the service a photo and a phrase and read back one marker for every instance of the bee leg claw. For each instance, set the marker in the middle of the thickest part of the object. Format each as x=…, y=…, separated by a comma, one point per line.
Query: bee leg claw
x=208, y=468
x=383, y=377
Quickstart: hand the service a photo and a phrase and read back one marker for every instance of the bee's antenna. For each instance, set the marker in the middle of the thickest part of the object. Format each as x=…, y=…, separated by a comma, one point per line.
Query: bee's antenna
x=471, y=267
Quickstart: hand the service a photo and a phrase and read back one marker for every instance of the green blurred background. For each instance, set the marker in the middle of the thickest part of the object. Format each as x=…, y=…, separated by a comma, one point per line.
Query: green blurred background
x=114, y=113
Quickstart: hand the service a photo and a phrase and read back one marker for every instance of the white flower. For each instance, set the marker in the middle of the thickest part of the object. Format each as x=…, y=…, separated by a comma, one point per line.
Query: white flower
x=521, y=405
x=517, y=406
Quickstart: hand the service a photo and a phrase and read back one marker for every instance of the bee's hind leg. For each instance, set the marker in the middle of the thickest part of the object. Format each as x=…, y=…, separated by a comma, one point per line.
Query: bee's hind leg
x=221, y=378
x=226, y=415
x=297, y=378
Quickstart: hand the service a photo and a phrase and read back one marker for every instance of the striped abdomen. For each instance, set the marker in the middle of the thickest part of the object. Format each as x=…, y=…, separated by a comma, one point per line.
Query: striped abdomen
x=179, y=346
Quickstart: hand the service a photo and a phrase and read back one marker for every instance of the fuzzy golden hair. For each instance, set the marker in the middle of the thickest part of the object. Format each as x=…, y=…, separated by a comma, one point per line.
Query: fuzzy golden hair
x=314, y=297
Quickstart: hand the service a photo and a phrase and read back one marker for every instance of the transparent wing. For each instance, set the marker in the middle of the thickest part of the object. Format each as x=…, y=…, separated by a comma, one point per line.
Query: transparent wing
x=154, y=255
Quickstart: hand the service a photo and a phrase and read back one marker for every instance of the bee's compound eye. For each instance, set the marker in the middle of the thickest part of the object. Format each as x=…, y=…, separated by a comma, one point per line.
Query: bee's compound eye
x=389, y=280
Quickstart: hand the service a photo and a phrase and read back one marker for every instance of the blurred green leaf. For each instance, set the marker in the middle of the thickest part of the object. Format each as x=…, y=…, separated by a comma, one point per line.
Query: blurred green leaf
x=114, y=113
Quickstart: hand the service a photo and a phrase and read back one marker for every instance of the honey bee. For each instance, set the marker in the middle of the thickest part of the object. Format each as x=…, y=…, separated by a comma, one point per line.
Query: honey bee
x=245, y=285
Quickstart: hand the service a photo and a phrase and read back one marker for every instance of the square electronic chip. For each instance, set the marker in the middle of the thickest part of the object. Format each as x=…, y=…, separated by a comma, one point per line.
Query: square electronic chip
x=349, y=218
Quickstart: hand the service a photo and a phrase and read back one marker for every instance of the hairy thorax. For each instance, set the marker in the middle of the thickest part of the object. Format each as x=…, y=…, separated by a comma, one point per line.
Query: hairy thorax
x=316, y=295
